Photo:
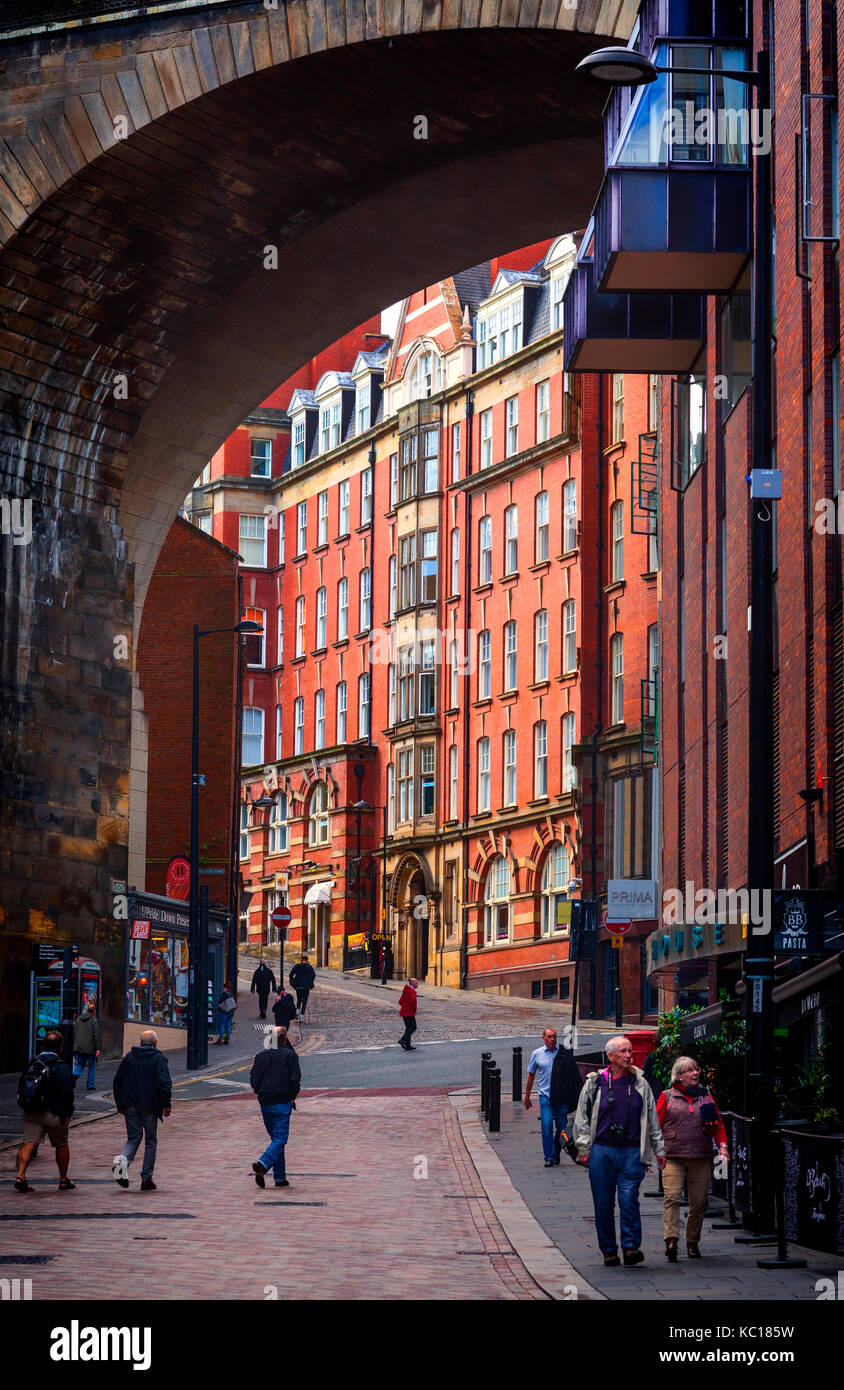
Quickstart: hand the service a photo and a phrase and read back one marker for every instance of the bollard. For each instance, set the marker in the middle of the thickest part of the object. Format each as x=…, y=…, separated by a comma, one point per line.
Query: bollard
x=490, y=1068
x=495, y=1100
x=517, y=1074
x=486, y=1058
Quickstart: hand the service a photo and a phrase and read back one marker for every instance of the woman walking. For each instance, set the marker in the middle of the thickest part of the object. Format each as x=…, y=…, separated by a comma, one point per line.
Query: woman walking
x=226, y=1005
x=691, y=1127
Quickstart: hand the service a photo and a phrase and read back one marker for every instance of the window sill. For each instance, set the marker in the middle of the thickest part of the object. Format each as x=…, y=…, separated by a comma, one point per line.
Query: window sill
x=508, y=695
x=449, y=823
x=298, y=660
x=341, y=540
x=543, y=686
x=509, y=578
x=300, y=559
x=485, y=588
x=569, y=555
x=482, y=815
x=320, y=549
x=567, y=677
x=364, y=526
x=485, y=703
x=318, y=653
x=617, y=444
x=341, y=644
x=455, y=710
x=541, y=567
x=452, y=598
x=364, y=632
x=616, y=587
x=540, y=801
x=504, y=810
x=649, y=574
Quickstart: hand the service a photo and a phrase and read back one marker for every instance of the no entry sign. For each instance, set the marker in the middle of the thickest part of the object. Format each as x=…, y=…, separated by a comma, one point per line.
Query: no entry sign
x=280, y=918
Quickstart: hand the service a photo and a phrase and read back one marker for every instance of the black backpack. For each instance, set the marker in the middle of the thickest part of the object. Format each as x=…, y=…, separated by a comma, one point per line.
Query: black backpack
x=36, y=1083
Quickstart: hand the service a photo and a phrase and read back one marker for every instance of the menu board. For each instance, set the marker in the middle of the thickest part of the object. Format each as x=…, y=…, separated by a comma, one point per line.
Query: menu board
x=814, y=1190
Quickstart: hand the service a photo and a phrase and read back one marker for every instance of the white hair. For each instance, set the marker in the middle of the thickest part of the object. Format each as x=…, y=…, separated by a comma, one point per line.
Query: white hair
x=149, y=1038
x=612, y=1043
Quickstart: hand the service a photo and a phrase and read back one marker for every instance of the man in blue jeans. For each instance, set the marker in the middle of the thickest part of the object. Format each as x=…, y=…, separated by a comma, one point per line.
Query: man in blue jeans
x=275, y=1078
x=553, y=1118
x=618, y=1135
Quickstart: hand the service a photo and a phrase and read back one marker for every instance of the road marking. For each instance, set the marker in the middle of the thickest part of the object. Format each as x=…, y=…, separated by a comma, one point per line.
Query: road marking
x=221, y=1081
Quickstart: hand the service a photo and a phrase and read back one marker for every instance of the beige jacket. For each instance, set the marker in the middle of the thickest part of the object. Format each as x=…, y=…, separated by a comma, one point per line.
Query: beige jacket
x=651, y=1143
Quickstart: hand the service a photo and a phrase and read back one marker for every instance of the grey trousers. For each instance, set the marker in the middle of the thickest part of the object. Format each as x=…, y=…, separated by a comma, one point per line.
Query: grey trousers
x=141, y=1124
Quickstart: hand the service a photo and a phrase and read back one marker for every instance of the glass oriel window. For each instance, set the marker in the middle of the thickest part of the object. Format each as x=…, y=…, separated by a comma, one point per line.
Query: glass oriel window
x=431, y=450
x=427, y=678
x=428, y=565
x=688, y=426
x=427, y=782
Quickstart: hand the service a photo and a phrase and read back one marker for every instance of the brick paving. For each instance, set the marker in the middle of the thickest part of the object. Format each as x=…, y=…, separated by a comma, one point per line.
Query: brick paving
x=355, y=1222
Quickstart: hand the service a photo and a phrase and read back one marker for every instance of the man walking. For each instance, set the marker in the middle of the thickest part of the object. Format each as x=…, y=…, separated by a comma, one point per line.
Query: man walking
x=86, y=1043
x=262, y=982
x=407, y=1012
x=45, y=1095
x=617, y=1132
x=284, y=1008
x=557, y=1095
x=275, y=1078
x=142, y=1093
x=302, y=978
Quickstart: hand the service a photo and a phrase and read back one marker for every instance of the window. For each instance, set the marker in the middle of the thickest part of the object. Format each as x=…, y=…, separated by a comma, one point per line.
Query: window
x=570, y=515
x=321, y=618
x=301, y=528
x=335, y=424
x=244, y=830
x=394, y=480
x=391, y=693
x=486, y=438
x=428, y=568
x=427, y=781
x=319, y=821
x=428, y=679
x=569, y=769
x=540, y=646
x=688, y=426
x=342, y=609
x=543, y=411
x=558, y=289
x=617, y=407
x=407, y=571
x=252, y=542
x=509, y=767
x=497, y=902
x=405, y=765
x=483, y=774
x=511, y=540
x=344, y=507
x=510, y=656
x=618, y=798
x=407, y=471
x=256, y=642
x=391, y=798
x=516, y=325
x=261, y=458
x=322, y=518
x=511, y=415
x=542, y=529
x=653, y=667
x=278, y=726
x=362, y=403
x=426, y=377
x=253, y=737
x=617, y=678
x=365, y=600
x=364, y=705
x=617, y=533
x=281, y=538
x=430, y=462
x=277, y=836
x=406, y=683
x=454, y=698
x=654, y=401
x=366, y=496
x=485, y=550
x=393, y=584
x=835, y=366
x=341, y=712
x=540, y=759
x=736, y=337
x=204, y=522
x=452, y=782
x=280, y=639
x=319, y=719
x=484, y=665
x=298, y=443
x=554, y=889
x=455, y=561
x=570, y=635
x=300, y=625
x=324, y=431
x=455, y=453
x=299, y=725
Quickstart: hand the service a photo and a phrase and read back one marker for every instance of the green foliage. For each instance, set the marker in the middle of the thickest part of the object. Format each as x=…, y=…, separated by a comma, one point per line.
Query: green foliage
x=816, y=1097
x=721, y=1057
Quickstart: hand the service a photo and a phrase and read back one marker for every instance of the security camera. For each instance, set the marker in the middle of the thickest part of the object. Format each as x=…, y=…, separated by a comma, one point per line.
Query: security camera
x=575, y=883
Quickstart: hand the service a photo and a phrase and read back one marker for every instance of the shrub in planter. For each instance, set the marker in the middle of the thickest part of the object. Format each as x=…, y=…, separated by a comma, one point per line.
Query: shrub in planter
x=720, y=1057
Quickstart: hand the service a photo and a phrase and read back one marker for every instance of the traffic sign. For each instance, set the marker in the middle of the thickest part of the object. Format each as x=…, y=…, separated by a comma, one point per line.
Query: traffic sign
x=280, y=917
x=618, y=928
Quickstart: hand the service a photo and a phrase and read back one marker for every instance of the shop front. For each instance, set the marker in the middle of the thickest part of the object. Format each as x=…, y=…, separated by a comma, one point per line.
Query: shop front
x=157, y=971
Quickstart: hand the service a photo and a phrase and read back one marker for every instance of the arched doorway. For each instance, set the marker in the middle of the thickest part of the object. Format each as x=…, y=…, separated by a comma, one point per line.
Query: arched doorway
x=411, y=917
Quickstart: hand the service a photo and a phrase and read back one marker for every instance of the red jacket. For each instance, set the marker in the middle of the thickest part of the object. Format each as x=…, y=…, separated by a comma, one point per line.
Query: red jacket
x=716, y=1131
x=407, y=1002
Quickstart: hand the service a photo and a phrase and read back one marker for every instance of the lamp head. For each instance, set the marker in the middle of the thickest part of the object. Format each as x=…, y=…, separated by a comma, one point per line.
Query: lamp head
x=618, y=67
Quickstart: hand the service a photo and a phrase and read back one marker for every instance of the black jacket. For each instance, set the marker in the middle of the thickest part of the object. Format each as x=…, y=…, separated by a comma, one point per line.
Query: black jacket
x=263, y=980
x=566, y=1084
x=302, y=976
x=60, y=1093
x=276, y=1076
x=143, y=1080
x=284, y=1010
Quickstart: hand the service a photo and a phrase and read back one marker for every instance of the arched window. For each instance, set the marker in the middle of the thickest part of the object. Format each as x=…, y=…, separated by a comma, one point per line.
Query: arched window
x=497, y=902
x=277, y=838
x=555, y=883
x=319, y=828
x=425, y=379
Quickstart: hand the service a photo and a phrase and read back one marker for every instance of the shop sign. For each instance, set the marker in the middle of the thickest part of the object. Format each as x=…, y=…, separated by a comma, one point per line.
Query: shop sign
x=634, y=898
x=44, y=953
x=796, y=925
x=686, y=942
x=357, y=940
x=140, y=931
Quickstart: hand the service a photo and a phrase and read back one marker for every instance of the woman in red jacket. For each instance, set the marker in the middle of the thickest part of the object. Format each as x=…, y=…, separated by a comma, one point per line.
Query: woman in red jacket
x=407, y=1013
x=691, y=1126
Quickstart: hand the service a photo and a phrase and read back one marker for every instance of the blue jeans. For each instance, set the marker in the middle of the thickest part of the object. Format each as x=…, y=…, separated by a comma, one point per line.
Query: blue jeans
x=609, y=1169
x=225, y=1029
x=81, y=1060
x=277, y=1124
x=553, y=1118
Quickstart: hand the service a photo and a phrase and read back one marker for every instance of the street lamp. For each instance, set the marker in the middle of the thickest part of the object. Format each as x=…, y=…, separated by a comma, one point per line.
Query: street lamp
x=626, y=67
x=267, y=803
x=197, y=1049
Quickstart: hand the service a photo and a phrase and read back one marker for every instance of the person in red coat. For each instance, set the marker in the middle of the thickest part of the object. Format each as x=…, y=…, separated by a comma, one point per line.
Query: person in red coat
x=692, y=1128
x=407, y=1010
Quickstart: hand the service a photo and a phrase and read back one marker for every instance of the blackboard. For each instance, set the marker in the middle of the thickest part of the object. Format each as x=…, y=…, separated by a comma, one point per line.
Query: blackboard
x=814, y=1190
x=741, y=1175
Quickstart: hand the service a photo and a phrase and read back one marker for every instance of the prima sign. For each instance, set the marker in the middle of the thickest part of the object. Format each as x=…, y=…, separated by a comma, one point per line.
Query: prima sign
x=631, y=899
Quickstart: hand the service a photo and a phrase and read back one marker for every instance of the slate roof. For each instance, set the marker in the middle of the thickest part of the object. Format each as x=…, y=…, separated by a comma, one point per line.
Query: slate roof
x=473, y=285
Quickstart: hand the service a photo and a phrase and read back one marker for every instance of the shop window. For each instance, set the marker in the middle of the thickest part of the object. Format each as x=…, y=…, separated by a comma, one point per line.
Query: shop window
x=549, y=989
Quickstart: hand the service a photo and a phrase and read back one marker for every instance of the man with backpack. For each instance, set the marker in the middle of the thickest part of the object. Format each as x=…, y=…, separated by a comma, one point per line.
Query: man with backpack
x=45, y=1095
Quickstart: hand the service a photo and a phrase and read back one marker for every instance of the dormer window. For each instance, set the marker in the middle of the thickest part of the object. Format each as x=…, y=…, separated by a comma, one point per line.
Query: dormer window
x=500, y=330
x=558, y=289
x=426, y=377
x=362, y=405
x=298, y=443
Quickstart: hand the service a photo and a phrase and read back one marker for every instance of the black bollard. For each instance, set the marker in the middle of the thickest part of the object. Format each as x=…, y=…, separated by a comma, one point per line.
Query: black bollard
x=517, y=1074
x=486, y=1058
x=490, y=1068
x=495, y=1100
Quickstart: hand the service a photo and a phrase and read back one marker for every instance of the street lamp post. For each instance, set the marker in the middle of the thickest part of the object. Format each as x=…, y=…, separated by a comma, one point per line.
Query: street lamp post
x=266, y=803
x=197, y=1048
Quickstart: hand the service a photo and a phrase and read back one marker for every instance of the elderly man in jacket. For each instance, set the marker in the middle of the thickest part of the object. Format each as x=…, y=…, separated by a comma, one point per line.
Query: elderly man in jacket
x=617, y=1133
x=142, y=1093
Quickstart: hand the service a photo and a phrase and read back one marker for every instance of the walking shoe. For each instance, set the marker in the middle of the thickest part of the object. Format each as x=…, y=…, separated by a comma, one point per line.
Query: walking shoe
x=282, y=1182
x=557, y=1161
x=549, y=1163
x=259, y=1170
x=671, y=1250
x=120, y=1170
x=66, y=1185
x=611, y=1260
x=693, y=1249
x=21, y=1185
x=147, y=1185
x=633, y=1257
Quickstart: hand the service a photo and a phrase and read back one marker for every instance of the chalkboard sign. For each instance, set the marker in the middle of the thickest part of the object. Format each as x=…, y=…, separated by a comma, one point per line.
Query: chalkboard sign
x=814, y=1190
x=741, y=1175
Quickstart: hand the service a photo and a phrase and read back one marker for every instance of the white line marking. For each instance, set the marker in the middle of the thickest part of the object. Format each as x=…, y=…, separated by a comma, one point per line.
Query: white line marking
x=221, y=1081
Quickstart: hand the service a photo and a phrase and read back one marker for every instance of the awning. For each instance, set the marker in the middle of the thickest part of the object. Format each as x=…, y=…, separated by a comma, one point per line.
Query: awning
x=809, y=991
x=319, y=893
x=703, y=1023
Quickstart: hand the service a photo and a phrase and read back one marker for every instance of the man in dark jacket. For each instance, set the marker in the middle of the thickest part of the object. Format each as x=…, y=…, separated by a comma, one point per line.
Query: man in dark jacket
x=284, y=1008
x=142, y=1093
x=275, y=1078
x=47, y=1112
x=302, y=978
x=262, y=982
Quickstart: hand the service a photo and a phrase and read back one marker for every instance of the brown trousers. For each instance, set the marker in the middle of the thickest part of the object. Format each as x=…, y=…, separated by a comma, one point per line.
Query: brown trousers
x=696, y=1172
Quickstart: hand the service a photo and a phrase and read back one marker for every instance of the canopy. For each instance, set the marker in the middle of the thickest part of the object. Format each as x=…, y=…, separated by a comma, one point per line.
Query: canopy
x=319, y=893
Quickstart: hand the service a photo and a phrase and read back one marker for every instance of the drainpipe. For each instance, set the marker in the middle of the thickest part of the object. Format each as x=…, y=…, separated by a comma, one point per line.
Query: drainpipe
x=467, y=588
x=599, y=674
